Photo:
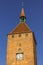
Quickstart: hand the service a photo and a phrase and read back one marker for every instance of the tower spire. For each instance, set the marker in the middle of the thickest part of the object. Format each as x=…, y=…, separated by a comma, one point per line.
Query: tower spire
x=22, y=11
x=22, y=15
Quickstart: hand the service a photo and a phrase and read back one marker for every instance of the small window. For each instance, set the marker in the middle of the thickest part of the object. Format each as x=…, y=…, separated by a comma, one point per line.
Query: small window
x=26, y=34
x=19, y=35
x=19, y=49
x=12, y=36
x=19, y=44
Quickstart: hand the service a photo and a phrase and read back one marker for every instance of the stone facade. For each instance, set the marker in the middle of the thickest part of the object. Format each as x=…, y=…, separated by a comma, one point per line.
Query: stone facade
x=25, y=43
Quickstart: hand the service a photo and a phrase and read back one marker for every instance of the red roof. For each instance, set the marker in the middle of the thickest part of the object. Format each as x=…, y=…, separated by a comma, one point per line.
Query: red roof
x=21, y=28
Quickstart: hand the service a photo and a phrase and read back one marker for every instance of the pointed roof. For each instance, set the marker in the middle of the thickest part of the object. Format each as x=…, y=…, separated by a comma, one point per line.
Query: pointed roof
x=22, y=26
x=22, y=12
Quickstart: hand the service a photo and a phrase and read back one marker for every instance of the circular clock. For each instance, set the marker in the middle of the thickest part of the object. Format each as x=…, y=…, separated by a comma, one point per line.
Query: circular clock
x=19, y=56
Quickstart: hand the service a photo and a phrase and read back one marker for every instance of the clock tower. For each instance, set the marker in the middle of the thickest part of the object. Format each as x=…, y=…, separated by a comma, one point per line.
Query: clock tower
x=21, y=44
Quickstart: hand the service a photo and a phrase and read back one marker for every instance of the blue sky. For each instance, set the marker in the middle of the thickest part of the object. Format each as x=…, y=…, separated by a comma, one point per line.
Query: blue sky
x=9, y=18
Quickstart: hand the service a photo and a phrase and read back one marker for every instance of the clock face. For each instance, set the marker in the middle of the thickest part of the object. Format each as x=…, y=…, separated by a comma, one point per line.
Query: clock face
x=19, y=56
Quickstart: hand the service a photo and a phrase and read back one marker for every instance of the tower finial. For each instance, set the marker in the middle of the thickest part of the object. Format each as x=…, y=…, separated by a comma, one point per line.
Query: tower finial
x=22, y=12
x=22, y=15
